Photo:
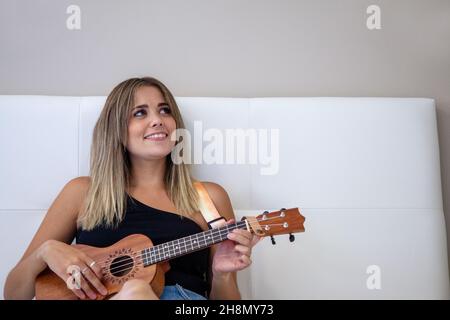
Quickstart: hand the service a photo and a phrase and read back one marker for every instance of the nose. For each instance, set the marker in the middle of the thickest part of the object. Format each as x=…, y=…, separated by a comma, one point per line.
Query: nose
x=156, y=120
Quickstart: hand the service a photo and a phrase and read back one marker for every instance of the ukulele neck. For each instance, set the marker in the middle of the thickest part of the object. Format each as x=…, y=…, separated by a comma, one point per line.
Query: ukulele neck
x=186, y=245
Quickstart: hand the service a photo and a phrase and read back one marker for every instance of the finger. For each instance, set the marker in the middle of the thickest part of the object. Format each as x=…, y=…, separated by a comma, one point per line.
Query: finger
x=95, y=267
x=80, y=294
x=255, y=240
x=92, y=278
x=244, y=233
x=76, y=288
x=243, y=249
x=239, y=238
x=87, y=289
x=246, y=260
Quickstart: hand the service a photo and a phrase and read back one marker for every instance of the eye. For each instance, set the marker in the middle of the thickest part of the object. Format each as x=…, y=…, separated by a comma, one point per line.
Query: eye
x=165, y=109
x=139, y=111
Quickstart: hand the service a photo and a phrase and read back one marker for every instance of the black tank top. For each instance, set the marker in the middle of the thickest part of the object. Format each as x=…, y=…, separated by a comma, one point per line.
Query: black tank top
x=190, y=271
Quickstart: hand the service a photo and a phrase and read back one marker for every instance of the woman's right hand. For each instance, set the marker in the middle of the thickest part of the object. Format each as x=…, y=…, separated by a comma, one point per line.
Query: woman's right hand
x=61, y=258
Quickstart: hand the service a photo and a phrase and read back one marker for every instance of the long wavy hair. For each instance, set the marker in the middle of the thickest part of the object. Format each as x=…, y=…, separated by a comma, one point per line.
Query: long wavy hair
x=110, y=165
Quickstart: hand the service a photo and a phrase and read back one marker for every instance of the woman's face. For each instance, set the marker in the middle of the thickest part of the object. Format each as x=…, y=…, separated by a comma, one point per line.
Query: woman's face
x=150, y=114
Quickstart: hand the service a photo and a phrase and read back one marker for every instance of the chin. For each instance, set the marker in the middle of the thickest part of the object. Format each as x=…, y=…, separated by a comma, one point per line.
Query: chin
x=155, y=156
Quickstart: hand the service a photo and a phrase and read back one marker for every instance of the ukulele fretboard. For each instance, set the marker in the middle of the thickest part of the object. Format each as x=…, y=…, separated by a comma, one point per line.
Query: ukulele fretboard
x=182, y=246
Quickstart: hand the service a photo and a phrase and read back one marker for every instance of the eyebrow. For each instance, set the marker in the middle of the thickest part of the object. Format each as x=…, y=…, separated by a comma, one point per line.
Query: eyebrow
x=146, y=105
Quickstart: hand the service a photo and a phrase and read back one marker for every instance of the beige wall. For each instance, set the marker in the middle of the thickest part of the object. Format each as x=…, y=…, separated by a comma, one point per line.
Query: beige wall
x=236, y=48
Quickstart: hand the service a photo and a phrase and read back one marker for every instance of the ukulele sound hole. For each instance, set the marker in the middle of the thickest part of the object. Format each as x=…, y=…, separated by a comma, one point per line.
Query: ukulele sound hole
x=121, y=266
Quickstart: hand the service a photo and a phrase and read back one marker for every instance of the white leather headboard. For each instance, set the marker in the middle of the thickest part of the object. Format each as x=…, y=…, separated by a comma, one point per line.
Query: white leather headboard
x=364, y=172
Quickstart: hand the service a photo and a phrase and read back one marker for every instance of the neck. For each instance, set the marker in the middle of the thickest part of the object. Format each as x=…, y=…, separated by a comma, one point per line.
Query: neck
x=182, y=246
x=148, y=174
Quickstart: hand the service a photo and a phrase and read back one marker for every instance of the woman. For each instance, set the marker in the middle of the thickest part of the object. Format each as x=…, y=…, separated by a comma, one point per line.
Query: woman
x=134, y=187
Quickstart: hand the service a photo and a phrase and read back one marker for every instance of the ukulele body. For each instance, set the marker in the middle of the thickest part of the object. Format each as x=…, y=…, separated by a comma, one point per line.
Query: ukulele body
x=121, y=262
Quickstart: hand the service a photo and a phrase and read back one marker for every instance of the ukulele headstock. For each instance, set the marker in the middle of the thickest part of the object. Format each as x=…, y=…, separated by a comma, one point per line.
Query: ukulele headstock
x=283, y=221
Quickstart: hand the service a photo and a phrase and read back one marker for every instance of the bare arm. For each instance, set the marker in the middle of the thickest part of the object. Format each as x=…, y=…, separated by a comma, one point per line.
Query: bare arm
x=59, y=224
x=224, y=286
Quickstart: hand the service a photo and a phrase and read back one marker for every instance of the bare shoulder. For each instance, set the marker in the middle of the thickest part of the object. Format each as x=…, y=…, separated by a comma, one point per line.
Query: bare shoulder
x=82, y=183
x=73, y=193
x=76, y=190
x=70, y=199
x=213, y=187
x=220, y=198
x=60, y=222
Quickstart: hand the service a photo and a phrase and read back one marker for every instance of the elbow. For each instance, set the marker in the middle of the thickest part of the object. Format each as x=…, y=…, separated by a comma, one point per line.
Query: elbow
x=12, y=289
x=8, y=293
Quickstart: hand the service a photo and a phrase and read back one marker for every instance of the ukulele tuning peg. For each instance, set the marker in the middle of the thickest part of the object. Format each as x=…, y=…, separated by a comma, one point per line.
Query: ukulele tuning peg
x=291, y=237
x=273, y=240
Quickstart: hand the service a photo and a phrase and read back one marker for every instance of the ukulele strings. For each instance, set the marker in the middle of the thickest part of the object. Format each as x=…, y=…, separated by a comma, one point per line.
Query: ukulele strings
x=140, y=255
x=128, y=265
x=216, y=234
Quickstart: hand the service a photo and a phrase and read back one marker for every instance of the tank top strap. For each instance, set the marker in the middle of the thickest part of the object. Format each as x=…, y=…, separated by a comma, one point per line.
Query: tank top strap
x=207, y=207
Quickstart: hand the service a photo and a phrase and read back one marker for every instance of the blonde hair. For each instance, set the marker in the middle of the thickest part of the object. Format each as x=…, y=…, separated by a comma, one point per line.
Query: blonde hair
x=110, y=165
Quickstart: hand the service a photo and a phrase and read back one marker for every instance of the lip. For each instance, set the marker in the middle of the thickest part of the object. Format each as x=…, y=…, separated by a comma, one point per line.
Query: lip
x=156, y=138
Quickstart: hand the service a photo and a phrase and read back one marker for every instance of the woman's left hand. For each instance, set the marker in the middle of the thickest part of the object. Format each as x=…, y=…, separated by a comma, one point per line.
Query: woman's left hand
x=234, y=254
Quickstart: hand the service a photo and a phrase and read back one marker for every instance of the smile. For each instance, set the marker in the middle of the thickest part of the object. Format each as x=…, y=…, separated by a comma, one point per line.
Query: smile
x=156, y=137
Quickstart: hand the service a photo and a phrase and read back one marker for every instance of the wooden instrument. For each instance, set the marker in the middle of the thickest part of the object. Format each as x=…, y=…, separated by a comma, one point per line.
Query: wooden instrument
x=135, y=256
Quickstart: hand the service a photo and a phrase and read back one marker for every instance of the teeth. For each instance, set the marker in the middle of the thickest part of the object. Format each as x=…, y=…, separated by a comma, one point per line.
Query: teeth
x=156, y=135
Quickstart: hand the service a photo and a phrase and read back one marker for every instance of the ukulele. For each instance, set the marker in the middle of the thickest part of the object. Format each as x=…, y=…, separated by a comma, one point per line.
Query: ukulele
x=135, y=256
